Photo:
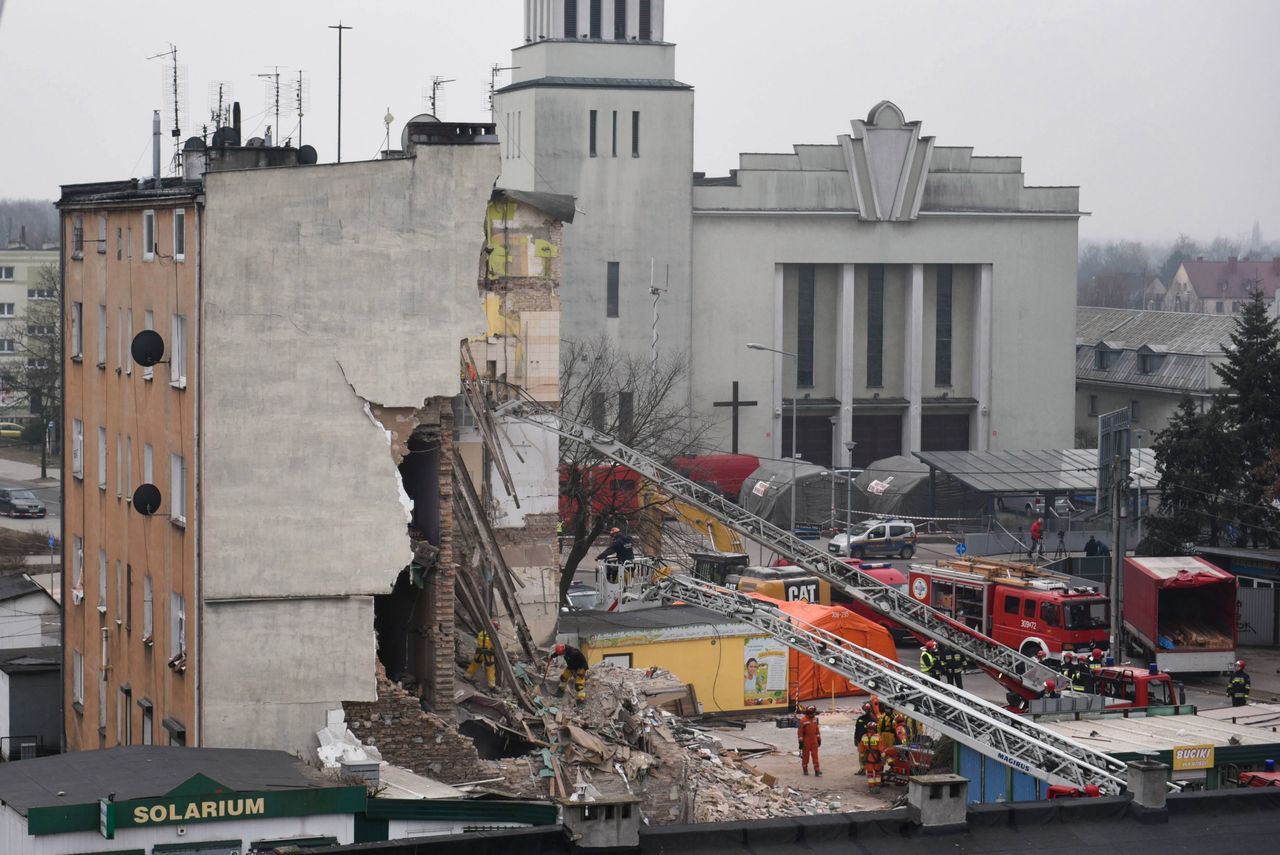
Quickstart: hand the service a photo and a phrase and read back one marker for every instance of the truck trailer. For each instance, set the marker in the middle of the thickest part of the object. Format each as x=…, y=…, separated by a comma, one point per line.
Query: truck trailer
x=1180, y=613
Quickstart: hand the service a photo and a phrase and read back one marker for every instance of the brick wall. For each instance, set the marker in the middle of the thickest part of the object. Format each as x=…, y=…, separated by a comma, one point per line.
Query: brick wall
x=408, y=736
x=436, y=420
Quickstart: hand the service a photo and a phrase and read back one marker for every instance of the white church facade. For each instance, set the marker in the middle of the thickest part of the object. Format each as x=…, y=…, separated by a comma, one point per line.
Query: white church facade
x=925, y=295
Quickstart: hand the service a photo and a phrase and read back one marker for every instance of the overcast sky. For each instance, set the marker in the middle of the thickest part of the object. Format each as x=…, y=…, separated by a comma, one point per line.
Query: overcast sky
x=1163, y=111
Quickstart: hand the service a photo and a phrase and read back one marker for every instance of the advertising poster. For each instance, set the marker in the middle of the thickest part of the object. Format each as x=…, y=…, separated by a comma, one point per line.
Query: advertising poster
x=764, y=672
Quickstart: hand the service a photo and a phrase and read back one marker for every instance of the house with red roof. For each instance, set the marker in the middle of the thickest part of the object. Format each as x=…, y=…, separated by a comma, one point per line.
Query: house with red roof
x=1221, y=287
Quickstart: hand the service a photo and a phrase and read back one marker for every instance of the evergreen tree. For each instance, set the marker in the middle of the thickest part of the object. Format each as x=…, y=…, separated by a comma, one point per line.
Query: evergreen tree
x=1251, y=405
x=1198, y=457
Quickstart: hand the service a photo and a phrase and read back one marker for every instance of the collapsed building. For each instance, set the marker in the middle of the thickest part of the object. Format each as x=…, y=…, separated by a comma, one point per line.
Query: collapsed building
x=265, y=432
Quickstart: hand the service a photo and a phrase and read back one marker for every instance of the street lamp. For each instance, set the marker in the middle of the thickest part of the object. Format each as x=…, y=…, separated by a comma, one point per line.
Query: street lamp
x=848, y=508
x=755, y=346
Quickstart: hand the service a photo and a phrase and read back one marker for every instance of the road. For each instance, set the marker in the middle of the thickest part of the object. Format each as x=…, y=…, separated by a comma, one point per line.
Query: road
x=50, y=494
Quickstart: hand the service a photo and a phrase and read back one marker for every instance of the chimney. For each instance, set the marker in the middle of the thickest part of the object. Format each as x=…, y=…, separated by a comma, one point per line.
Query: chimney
x=1147, y=781
x=939, y=801
x=155, y=146
x=235, y=119
x=22, y=237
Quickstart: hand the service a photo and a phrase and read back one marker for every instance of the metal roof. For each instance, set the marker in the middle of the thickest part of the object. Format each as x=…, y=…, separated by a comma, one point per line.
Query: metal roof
x=1180, y=332
x=1152, y=734
x=1066, y=470
x=1178, y=372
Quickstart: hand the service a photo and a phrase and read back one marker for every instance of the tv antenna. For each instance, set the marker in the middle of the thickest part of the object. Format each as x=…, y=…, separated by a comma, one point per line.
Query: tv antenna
x=437, y=83
x=272, y=79
x=301, y=96
x=174, y=90
x=221, y=94
x=494, y=71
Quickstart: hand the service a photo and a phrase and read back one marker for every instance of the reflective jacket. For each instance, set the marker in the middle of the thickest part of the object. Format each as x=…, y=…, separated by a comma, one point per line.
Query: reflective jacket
x=927, y=662
x=1238, y=686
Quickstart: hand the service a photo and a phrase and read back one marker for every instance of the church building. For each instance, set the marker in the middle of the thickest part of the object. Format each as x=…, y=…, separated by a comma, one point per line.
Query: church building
x=922, y=296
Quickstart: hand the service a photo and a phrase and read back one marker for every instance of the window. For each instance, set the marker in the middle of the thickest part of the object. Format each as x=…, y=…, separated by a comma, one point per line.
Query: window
x=620, y=20
x=1029, y=608
x=178, y=358
x=177, y=488
x=119, y=338
x=128, y=324
x=8, y=345
x=148, y=323
x=591, y=133
x=615, y=133
x=1102, y=359
x=119, y=591
x=77, y=331
x=77, y=448
x=102, y=692
x=39, y=329
x=942, y=326
x=102, y=336
x=77, y=680
x=102, y=458
x=626, y=412
x=119, y=464
x=177, y=626
x=875, y=326
x=148, y=611
x=805, y=305
x=6, y=310
x=1133, y=411
x=570, y=19
x=596, y=16
x=128, y=468
x=1011, y=605
x=148, y=461
x=6, y=274
x=1218, y=307
x=40, y=294
x=147, y=721
x=77, y=568
x=102, y=234
x=611, y=291
x=119, y=243
x=646, y=20
x=128, y=243
x=124, y=716
x=179, y=235
x=1093, y=405
x=128, y=598
x=77, y=236
x=635, y=133
x=1051, y=614
x=102, y=581
x=148, y=235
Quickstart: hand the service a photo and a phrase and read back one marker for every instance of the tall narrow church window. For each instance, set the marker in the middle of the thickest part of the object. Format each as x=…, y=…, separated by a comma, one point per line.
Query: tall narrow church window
x=646, y=20
x=591, y=139
x=596, y=18
x=875, y=326
x=635, y=133
x=615, y=133
x=804, y=328
x=611, y=291
x=570, y=19
x=942, y=339
x=620, y=20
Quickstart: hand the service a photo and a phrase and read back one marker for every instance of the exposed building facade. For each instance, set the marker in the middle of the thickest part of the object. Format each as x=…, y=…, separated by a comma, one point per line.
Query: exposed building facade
x=299, y=432
x=1145, y=362
x=21, y=283
x=1221, y=287
x=920, y=291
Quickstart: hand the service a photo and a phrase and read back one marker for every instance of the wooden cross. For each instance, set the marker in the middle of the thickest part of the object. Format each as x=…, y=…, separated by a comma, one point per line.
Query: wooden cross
x=735, y=404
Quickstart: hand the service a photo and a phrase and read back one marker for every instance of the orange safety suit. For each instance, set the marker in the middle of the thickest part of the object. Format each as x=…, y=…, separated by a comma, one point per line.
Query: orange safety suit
x=874, y=762
x=810, y=737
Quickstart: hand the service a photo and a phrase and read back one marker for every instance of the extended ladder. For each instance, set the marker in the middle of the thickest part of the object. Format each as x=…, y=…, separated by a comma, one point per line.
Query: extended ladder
x=1019, y=673
x=1013, y=740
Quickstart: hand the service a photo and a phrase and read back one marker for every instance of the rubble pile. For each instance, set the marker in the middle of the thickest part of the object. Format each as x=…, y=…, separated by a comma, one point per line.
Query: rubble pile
x=620, y=740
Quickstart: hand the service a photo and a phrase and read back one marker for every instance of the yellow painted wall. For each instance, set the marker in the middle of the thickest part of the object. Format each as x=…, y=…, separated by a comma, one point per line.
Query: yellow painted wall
x=713, y=665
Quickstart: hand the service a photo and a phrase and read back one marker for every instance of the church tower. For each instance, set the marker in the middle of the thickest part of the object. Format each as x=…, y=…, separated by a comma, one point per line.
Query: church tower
x=594, y=111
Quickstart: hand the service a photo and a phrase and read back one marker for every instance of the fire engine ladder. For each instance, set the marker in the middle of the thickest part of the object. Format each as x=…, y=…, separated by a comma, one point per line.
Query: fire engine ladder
x=990, y=730
x=1018, y=673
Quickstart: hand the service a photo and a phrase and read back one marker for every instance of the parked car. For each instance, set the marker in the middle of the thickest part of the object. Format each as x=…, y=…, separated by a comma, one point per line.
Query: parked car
x=20, y=503
x=10, y=430
x=1033, y=506
x=876, y=539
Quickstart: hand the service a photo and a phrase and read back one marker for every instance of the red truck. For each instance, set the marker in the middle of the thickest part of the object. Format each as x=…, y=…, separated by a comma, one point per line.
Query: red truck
x=1019, y=605
x=1180, y=613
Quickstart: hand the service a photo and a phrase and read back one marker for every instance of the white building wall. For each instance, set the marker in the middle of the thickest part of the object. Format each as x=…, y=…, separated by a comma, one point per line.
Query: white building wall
x=29, y=621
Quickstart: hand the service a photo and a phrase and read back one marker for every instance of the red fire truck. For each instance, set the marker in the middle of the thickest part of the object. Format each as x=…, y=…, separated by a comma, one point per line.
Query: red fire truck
x=1019, y=605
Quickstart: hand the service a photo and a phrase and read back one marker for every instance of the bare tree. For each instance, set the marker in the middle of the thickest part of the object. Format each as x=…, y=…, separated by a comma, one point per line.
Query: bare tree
x=620, y=394
x=33, y=372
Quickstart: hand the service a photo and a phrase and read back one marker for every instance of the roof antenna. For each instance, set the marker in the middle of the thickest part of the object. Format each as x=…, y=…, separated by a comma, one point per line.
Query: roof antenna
x=494, y=71
x=340, y=28
x=301, y=102
x=272, y=79
x=175, y=90
x=437, y=83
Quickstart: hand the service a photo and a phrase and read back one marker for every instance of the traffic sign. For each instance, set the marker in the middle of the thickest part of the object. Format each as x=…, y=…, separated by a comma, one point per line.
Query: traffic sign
x=961, y=549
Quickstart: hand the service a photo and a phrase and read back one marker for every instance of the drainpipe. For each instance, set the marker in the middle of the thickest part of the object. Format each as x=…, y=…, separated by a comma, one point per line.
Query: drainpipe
x=198, y=391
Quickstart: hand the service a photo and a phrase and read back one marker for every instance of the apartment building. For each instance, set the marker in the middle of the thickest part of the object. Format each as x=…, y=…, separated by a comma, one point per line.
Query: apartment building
x=22, y=283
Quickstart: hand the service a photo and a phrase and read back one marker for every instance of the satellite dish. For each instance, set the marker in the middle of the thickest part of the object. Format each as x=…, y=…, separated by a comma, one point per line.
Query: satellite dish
x=307, y=155
x=404, y=134
x=193, y=144
x=147, y=348
x=146, y=499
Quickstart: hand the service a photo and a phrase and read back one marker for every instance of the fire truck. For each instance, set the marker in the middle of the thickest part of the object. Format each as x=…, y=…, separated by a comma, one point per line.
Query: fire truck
x=1021, y=606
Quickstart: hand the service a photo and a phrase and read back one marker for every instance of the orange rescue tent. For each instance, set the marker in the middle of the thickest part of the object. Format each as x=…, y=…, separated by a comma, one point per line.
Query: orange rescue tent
x=809, y=681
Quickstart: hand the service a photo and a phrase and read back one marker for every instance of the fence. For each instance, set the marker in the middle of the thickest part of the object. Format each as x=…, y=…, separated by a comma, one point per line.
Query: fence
x=1258, y=617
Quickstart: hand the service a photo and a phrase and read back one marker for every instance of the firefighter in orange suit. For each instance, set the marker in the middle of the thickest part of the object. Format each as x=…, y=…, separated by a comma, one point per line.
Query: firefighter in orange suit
x=809, y=734
x=874, y=763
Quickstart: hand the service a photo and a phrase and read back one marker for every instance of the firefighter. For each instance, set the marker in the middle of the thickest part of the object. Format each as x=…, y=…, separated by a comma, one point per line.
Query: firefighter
x=619, y=547
x=929, y=659
x=484, y=658
x=1238, y=685
x=955, y=665
x=575, y=666
x=1051, y=689
x=884, y=727
x=865, y=724
x=1096, y=661
x=902, y=728
x=1073, y=671
x=809, y=735
x=873, y=763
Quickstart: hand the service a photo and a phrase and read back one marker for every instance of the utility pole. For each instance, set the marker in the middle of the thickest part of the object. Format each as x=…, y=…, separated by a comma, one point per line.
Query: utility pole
x=339, y=27
x=1119, y=498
